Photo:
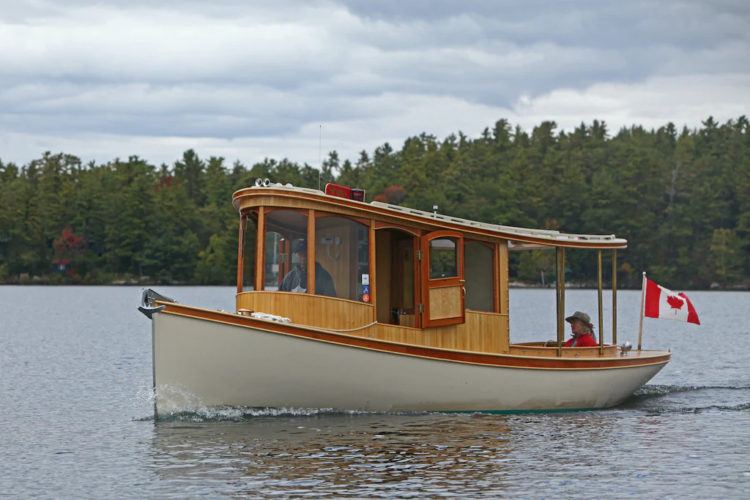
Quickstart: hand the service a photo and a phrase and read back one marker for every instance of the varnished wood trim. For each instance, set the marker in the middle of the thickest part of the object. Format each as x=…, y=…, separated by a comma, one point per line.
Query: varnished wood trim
x=434, y=323
x=445, y=302
x=503, y=284
x=400, y=327
x=417, y=271
x=241, y=254
x=481, y=332
x=311, y=252
x=495, y=277
x=400, y=227
x=500, y=360
x=316, y=311
x=249, y=197
x=485, y=313
x=459, y=250
x=453, y=281
x=322, y=215
x=372, y=268
x=260, y=249
x=326, y=297
x=538, y=349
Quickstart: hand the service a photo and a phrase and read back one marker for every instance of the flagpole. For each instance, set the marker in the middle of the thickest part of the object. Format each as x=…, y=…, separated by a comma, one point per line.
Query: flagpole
x=643, y=309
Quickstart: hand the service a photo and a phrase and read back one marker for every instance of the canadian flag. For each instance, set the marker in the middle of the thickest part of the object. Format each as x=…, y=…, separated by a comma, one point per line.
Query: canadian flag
x=666, y=304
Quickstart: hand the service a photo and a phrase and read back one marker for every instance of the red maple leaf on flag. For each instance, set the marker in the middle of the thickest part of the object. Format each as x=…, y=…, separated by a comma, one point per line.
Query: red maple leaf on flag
x=675, y=302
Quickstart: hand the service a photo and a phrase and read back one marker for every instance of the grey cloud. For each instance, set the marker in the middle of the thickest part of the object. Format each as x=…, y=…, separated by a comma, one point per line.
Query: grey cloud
x=232, y=69
x=201, y=110
x=609, y=23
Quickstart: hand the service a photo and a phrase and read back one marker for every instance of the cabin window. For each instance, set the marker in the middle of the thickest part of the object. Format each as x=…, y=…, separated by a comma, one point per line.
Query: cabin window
x=284, y=247
x=443, y=258
x=248, y=250
x=479, y=276
x=275, y=264
x=342, y=258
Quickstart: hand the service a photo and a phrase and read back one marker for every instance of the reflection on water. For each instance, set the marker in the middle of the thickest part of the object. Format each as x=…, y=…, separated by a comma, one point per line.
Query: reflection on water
x=388, y=454
x=368, y=455
x=76, y=418
x=651, y=446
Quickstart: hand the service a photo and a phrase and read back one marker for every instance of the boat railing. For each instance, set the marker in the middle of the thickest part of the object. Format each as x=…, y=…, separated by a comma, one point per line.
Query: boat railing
x=550, y=349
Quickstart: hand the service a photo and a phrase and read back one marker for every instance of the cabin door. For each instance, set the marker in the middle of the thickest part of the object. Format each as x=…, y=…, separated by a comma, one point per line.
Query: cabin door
x=442, y=273
x=397, y=273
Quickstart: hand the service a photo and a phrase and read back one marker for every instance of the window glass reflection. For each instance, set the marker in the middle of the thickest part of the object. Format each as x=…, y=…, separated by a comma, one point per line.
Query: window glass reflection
x=342, y=256
x=284, y=269
x=443, y=258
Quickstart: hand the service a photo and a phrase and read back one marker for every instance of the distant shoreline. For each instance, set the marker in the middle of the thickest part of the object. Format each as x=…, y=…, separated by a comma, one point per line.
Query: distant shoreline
x=515, y=285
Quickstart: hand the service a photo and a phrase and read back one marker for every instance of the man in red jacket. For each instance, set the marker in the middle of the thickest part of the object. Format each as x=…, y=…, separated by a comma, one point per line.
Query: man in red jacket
x=582, y=328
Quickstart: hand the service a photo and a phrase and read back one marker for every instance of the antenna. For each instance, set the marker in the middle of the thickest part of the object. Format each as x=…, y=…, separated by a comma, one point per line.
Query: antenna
x=320, y=161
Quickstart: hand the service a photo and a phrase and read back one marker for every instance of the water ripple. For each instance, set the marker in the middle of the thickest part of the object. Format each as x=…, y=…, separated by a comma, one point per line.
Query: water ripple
x=77, y=419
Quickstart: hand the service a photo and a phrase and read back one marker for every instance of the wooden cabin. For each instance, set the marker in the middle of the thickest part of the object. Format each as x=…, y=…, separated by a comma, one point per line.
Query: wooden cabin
x=389, y=272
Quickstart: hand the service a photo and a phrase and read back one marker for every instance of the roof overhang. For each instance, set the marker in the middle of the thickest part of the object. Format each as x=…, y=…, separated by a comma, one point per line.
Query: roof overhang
x=520, y=238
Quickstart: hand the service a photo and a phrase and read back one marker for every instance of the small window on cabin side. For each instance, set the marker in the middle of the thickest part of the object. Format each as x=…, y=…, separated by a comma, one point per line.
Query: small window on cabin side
x=248, y=251
x=342, y=258
x=443, y=258
x=284, y=252
x=478, y=273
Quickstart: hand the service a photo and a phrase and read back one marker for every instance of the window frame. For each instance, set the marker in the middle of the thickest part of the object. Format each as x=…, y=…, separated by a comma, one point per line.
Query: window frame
x=438, y=283
x=366, y=224
x=495, y=269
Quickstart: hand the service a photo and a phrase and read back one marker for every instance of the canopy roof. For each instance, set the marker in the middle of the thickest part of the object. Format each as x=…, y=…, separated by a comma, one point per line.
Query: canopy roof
x=278, y=195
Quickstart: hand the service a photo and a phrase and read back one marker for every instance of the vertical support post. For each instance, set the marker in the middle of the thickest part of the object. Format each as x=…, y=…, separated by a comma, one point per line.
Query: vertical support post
x=614, y=297
x=311, y=251
x=643, y=310
x=260, y=249
x=419, y=301
x=560, y=269
x=599, y=300
x=503, y=292
x=372, y=270
x=241, y=254
x=495, y=277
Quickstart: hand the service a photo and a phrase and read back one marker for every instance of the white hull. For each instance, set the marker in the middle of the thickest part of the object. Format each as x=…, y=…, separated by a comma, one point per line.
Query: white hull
x=200, y=364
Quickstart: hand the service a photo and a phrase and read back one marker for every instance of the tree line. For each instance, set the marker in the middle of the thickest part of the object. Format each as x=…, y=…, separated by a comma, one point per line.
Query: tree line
x=681, y=198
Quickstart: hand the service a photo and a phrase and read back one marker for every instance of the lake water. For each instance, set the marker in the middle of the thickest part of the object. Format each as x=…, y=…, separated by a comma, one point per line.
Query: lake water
x=76, y=416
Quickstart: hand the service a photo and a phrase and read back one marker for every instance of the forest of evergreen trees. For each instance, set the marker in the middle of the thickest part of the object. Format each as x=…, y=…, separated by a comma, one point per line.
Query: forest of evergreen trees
x=681, y=198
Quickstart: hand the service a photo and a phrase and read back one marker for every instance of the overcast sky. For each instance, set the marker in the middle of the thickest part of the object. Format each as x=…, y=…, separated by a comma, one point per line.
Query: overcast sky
x=248, y=80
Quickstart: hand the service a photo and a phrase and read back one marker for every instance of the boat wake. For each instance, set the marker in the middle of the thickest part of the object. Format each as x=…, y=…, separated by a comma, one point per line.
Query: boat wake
x=661, y=399
x=650, y=391
x=652, y=399
x=239, y=414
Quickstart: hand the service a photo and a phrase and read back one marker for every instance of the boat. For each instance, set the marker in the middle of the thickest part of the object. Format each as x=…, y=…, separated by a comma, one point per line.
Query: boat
x=347, y=305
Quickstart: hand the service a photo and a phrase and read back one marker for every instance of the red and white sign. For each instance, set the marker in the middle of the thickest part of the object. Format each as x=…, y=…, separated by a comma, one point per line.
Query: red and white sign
x=666, y=304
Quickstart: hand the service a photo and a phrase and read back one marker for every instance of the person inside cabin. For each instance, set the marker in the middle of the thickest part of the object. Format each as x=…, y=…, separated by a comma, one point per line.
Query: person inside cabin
x=582, y=329
x=296, y=279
